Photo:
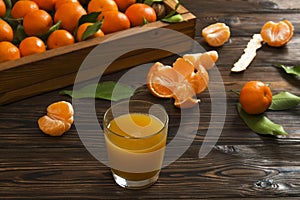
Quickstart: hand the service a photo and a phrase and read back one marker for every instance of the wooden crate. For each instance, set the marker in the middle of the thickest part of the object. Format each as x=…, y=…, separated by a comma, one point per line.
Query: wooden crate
x=54, y=69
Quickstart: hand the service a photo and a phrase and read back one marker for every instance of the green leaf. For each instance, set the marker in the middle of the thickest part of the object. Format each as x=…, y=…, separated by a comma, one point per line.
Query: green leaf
x=284, y=101
x=173, y=16
x=294, y=70
x=92, y=29
x=145, y=21
x=261, y=124
x=108, y=90
x=173, y=19
x=19, y=34
x=51, y=30
x=91, y=17
x=8, y=4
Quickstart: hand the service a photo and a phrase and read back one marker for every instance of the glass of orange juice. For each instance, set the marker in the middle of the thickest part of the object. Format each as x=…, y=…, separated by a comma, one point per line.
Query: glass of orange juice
x=135, y=136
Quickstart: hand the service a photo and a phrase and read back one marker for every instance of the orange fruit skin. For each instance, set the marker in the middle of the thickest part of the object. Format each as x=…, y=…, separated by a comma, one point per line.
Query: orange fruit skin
x=114, y=21
x=21, y=8
x=59, y=38
x=37, y=23
x=255, y=97
x=216, y=34
x=58, y=3
x=277, y=34
x=31, y=45
x=69, y=14
x=58, y=120
x=2, y=8
x=45, y=4
x=8, y=51
x=124, y=4
x=81, y=29
x=138, y=11
x=6, y=31
x=102, y=5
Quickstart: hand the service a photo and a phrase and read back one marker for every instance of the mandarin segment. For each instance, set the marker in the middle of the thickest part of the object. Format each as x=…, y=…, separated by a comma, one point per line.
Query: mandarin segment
x=181, y=82
x=53, y=127
x=206, y=59
x=61, y=110
x=277, y=34
x=216, y=34
x=161, y=79
x=58, y=120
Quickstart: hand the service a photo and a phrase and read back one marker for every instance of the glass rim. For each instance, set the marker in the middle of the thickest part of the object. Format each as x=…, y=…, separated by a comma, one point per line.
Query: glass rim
x=165, y=123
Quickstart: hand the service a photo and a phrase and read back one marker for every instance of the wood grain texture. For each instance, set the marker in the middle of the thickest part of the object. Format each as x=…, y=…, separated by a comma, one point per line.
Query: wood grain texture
x=242, y=164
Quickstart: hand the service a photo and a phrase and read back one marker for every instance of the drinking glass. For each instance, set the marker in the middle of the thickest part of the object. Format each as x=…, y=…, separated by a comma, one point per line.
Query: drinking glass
x=135, y=135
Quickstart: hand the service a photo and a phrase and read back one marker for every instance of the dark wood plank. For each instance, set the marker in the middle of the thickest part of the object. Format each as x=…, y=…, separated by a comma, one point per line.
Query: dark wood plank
x=242, y=164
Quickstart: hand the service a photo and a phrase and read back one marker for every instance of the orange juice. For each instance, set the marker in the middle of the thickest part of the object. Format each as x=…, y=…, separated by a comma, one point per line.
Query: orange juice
x=135, y=145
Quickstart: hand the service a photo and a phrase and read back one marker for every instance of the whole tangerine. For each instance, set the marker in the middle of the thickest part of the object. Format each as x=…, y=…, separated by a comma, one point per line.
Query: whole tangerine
x=31, y=45
x=69, y=14
x=2, y=8
x=8, y=51
x=137, y=14
x=114, y=21
x=45, y=4
x=59, y=38
x=37, y=23
x=6, y=31
x=21, y=8
x=102, y=5
x=255, y=97
x=82, y=28
x=58, y=3
x=124, y=4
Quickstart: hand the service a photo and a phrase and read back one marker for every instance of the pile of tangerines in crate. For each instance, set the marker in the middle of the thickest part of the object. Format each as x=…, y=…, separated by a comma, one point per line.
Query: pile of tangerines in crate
x=33, y=26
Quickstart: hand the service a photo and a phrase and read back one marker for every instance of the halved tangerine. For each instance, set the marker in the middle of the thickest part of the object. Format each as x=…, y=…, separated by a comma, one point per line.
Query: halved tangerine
x=277, y=34
x=181, y=82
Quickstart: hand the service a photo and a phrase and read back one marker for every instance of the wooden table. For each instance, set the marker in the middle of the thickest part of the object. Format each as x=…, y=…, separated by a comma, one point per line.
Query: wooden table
x=241, y=164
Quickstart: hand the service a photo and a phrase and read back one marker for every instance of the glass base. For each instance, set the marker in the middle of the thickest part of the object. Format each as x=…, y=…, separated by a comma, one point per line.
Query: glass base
x=135, y=185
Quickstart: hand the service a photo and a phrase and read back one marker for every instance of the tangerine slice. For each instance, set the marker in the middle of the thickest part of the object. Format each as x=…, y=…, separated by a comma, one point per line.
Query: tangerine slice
x=161, y=80
x=61, y=110
x=53, y=127
x=199, y=80
x=183, y=66
x=58, y=120
x=180, y=82
x=207, y=59
x=216, y=34
x=277, y=34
